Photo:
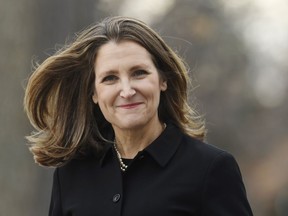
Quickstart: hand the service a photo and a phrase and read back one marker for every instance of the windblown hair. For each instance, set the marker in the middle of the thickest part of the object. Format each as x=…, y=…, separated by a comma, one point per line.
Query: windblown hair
x=58, y=97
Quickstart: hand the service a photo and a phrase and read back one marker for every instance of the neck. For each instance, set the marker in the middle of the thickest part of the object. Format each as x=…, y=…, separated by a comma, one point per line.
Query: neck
x=130, y=142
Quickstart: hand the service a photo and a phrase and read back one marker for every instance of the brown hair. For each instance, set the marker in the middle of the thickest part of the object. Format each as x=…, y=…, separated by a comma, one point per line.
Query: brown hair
x=58, y=97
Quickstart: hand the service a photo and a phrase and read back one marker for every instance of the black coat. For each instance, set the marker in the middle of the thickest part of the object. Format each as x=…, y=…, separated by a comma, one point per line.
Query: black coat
x=174, y=176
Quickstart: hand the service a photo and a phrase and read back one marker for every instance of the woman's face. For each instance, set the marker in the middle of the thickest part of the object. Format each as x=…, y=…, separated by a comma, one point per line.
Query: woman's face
x=127, y=85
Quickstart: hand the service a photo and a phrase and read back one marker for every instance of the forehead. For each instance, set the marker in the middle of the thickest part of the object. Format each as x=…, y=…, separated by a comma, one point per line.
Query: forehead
x=119, y=53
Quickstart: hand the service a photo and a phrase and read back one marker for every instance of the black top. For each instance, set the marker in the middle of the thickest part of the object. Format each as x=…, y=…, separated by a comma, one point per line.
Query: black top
x=174, y=176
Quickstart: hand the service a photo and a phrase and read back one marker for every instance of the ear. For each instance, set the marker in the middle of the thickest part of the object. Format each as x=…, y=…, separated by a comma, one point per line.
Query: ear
x=163, y=85
x=95, y=98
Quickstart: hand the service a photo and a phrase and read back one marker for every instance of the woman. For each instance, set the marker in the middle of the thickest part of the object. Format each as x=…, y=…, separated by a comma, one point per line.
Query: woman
x=112, y=116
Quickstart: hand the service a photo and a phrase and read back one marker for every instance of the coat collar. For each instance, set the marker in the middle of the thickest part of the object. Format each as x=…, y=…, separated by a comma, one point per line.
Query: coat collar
x=161, y=149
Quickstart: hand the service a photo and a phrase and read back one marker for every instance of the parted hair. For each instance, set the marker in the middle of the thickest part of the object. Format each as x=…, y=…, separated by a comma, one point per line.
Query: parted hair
x=58, y=97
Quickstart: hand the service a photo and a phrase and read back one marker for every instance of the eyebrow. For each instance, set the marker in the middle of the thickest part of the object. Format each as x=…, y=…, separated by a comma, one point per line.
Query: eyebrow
x=140, y=66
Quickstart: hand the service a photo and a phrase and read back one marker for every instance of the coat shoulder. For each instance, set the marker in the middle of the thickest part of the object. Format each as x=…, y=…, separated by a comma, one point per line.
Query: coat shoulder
x=200, y=151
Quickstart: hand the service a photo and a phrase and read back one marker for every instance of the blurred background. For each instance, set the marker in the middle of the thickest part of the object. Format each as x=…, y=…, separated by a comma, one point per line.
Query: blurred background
x=238, y=56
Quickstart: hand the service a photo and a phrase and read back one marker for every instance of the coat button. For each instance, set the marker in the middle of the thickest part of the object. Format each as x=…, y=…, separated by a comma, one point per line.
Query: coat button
x=116, y=198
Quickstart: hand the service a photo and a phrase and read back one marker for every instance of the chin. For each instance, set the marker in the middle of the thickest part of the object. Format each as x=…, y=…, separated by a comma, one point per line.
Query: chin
x=130, y=125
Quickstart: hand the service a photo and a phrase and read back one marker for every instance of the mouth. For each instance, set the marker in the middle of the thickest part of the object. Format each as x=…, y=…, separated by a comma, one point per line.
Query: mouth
x=130, y=105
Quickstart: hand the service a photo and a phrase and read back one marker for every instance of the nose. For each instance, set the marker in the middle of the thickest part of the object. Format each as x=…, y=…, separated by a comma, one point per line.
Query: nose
x=126, y=90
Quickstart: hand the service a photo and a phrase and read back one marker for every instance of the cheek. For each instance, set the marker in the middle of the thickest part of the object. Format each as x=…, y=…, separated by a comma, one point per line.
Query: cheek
x=105, y=97
x=153, y=95
x=154, y=89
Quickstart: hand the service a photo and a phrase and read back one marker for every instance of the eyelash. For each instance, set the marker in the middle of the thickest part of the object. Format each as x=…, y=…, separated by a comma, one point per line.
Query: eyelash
x=109, y=78
x=140, y=73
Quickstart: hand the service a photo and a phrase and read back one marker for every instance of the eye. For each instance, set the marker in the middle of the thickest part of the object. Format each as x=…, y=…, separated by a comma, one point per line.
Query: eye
x=139, y=73
x=109, y=79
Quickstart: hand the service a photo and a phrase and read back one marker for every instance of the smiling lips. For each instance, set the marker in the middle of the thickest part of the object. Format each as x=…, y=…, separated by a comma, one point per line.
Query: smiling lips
x=130, y=106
